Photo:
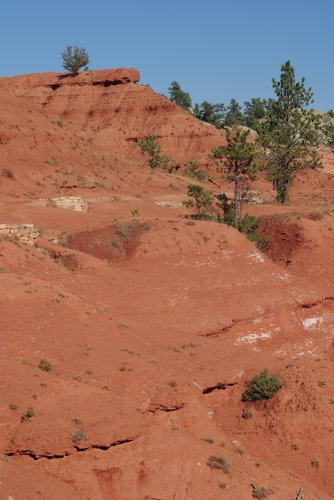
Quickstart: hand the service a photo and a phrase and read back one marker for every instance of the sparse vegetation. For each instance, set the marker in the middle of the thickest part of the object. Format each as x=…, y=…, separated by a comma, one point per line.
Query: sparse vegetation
x=246, y=414
x=263, y=386
x=219, y=463
x=192, y=169
x=315, y=463
x=79, y=435
x=45, y=365
x=260, y=492
x=28, y=414
x=152, y=147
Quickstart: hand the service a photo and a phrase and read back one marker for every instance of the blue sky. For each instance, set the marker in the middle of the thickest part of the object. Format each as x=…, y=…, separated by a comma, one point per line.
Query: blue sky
x=216, y=49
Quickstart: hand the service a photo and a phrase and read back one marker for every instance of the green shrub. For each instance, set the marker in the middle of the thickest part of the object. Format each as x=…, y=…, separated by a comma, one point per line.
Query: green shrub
x=249, y=225
x=263, y=386
x=152, y=147
x=192, y=170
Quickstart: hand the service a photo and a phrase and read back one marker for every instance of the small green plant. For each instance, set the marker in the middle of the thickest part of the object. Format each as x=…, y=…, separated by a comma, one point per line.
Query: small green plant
x=79, y=435
x=192, y=169
x=28, y=414
x=152, y=147
x=219, y=463
x=13, y=407
x=263, y=386
x=260, y=492
x=45, y=365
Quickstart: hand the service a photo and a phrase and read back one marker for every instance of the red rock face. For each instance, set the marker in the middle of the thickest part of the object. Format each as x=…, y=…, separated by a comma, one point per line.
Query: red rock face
x=152, y=322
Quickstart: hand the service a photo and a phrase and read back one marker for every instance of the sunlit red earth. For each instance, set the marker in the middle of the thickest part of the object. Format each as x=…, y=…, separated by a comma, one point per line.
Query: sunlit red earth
x=153, y=322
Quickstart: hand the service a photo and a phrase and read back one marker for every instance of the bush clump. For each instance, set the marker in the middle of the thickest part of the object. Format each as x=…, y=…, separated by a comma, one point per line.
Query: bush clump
x=249, y=225
x=263, y=386
x=219, y=463
x=45, y=365
x=193, y=170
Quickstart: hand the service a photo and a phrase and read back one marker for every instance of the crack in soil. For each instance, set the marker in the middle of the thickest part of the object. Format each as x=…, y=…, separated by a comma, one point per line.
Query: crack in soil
x=309, y=305
x=219, y=386
x=36, y=456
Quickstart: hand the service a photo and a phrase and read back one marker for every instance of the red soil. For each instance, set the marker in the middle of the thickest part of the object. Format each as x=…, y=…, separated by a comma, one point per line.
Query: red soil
x=152, y=343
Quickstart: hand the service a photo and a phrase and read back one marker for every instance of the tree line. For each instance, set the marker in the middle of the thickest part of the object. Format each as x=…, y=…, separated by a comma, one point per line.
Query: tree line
x=251, y=114
x=288, y=133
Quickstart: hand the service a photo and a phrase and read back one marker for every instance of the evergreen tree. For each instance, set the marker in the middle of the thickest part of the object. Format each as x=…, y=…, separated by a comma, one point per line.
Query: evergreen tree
x=234, y=114
x=75, y=58
x=200, y=199
x=289, y=131
x=255, y=110
x=210, y=113
x=179, y=96
x=238, y=162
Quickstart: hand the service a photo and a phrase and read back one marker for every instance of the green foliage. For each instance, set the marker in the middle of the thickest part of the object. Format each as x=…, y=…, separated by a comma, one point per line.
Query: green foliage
x=179, y=96
x=219, y=463
x=234, y=115
x=255, y=111
x=210, y=113
x=237, y=160
x=75, y=58
x=263, y=386
x=289, y=131
x=152, y=147
x=249, y=227
x=328, y=128
x=193, y=170
x=201, y=200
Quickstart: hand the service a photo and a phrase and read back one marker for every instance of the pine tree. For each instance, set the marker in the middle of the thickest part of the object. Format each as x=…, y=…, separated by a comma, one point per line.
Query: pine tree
x=75, y=58
x=238, y=160
x=289, y=131
x=210, y=113
x=179, y=96
x=200, y=199
x=255, y=110
x=234, y=114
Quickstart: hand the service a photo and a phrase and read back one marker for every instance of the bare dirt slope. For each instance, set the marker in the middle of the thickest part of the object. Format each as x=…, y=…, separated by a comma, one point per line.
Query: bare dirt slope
x=129, y=331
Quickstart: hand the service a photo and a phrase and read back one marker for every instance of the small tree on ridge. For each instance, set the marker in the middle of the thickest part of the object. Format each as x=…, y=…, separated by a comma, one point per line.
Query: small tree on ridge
x=75, y=58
